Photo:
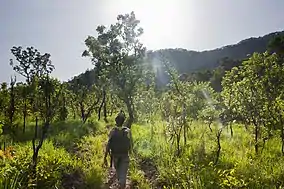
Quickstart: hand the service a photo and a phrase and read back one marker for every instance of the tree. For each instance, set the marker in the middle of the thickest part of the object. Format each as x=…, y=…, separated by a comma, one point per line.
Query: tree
x=118, y=54
x=8, y=104
x=247, y=100
x=11, y=110
x=182, y=103
x=30, y=63
x=254, y=92
x=36, y=68
x=86, y=98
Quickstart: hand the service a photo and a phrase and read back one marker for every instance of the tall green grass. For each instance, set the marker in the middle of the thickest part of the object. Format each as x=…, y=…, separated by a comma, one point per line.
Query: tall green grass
x=71, y=156
x=238, y=166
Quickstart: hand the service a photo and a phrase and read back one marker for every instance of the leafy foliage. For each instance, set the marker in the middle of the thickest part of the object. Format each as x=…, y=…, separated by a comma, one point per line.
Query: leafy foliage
x=118, y=54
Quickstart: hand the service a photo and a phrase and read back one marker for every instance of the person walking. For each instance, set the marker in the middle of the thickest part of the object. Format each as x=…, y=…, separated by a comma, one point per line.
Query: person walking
x=119, y=147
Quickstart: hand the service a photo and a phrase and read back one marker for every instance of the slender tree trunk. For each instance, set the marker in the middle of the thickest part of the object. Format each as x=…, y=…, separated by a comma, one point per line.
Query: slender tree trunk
x=152, y=132
x=184, y=134
x=12, y=105
x=231, y=129
x=25, y=116
x=246, y=126
x=184, y=124
x=178, y=142
x=178, y=146
x=82, y=109
x=99, y=111
x=282, y=137
x=84, y=120
x=47, y=118
x=209, y=125
x=218, y=136
x=101, y=105
x=35, y=150
x=264, y=141
x=256, y=138
x=130, y=113
x=73, y=110
x=105, y=111
x=87, y=113
x=63, y=110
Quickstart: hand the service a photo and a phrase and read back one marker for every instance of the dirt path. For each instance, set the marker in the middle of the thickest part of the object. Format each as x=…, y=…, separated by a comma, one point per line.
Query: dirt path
x=111, y=181
x=150, y=173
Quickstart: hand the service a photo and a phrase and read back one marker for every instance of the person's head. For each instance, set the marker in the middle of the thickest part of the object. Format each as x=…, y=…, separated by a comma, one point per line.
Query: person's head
x=120, y=118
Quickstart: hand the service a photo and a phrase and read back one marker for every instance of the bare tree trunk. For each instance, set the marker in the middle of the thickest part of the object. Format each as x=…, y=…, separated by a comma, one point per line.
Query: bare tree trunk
x=101, y=106
x=264, y=141
x=218, y=136
x=231, y=129
x=11, y=111
x=48, y=115
x=35, y=149
x=87, y=113
x=178, y=137
x=105, y=111
x=152, y=132
x=82, y=109
x=256, y=137
x=184, y=124
x=130, y=113
x=25, y=116
x=209, y=125
x=73, y=110
x=184, y=134
x=100, y=110
x=282, y=137
x=246, y=126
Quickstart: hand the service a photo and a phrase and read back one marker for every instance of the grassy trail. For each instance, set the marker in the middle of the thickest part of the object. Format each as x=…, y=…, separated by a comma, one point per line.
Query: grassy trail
x=111, y=182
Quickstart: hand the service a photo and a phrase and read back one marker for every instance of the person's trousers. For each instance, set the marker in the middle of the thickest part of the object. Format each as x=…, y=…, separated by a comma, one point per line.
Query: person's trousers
x=121, y=164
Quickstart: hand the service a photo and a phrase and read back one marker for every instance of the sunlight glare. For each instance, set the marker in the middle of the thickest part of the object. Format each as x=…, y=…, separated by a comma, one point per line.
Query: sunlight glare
x=162, y=20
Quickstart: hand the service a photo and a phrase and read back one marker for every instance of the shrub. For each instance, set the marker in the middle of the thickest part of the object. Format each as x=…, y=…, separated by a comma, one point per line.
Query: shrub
x=52, y=163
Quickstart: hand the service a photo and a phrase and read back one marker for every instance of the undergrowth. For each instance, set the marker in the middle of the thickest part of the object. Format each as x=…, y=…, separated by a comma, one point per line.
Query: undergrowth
x=72, y=156
x=238, y=166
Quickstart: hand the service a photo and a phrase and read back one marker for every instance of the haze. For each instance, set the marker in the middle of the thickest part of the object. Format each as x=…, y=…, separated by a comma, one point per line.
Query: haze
x=60, y=27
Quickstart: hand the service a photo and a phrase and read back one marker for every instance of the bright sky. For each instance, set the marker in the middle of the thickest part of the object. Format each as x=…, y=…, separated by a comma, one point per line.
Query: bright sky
x=60, y=27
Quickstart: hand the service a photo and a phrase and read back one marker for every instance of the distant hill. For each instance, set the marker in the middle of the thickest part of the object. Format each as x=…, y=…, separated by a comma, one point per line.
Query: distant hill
x=186, y=61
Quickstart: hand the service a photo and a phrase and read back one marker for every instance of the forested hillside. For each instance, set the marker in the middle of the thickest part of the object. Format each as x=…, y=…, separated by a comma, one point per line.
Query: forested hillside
x=209, y=129
x=204, y=65
x=186, y=61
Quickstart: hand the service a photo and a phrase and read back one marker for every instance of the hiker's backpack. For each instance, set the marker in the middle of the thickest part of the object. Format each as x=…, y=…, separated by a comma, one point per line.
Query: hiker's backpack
x=119, y=141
